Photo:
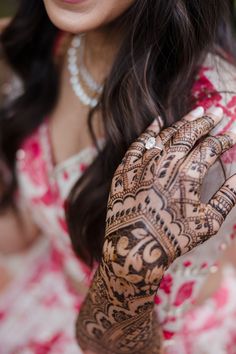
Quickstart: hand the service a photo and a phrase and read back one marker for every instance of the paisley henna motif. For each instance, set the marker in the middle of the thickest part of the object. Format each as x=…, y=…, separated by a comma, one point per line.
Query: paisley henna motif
x=154, y=216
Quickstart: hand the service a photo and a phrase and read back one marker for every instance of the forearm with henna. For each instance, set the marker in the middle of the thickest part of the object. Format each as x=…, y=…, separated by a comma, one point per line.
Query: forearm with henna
x=154, y=215
x=117, y=316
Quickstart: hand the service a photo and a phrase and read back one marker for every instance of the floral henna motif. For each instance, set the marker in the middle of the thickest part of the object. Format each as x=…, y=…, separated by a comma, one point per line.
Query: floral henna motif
x=117, y=316
x=154, y=215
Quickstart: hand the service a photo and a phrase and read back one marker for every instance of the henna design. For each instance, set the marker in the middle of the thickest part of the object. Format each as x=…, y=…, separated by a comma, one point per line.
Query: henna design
x=154, y=215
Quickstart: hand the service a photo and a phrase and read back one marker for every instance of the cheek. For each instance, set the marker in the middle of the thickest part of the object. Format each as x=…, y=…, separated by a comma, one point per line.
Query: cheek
x=86, y=15
x=114, y=8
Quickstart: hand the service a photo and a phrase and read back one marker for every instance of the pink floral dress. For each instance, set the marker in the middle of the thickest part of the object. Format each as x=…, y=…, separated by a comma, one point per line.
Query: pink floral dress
x=39, y=308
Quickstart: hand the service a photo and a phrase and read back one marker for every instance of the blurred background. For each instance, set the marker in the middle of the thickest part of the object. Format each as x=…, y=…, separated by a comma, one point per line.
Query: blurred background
x=7, y=7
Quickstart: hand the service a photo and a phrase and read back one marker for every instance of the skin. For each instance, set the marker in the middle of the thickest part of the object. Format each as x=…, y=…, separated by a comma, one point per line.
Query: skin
x=86, y=16
x=102, y=43
x=95, y=18
x=154, y=216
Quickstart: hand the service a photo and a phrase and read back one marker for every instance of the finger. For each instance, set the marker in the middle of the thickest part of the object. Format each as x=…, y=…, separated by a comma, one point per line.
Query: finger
x=222, y=203
x=186, y=137
x=182, y=142
x=154, y=128
x=167, y=133
x=152, y=131
x=194, y=114
x=205, y=154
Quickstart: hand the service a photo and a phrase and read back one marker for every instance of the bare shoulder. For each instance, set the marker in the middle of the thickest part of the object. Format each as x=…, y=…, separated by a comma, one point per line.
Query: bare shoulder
x=4, y=22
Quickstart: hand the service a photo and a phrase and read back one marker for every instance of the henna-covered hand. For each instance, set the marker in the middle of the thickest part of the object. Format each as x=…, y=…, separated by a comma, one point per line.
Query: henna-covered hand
x=154, y=215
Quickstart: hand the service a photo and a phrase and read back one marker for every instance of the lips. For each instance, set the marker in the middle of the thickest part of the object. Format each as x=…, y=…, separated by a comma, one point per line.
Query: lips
x=73, y=1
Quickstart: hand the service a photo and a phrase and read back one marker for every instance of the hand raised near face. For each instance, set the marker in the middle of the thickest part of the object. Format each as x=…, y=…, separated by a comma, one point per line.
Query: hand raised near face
x=154, y=209
x=154, y=215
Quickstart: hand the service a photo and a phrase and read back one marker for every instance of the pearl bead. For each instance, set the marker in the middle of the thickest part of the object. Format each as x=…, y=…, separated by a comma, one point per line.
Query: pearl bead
x=94, y=102
x=75, y=80
x=76, y=42
x=72, y=52
x=74, y=70
x=72, y=60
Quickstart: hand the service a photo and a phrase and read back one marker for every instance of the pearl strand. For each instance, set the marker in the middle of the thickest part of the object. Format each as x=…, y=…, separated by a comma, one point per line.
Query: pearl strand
x=74, y=71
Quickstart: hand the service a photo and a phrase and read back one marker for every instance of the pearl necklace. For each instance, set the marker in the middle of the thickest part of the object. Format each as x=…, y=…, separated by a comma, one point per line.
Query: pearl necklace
x=75, y=73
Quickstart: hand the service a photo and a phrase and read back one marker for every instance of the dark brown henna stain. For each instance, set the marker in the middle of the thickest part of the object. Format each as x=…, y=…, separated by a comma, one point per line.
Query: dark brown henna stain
x=154, y=215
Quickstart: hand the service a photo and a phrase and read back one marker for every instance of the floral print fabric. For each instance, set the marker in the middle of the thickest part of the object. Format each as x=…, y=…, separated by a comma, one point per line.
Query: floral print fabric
x=38, y=310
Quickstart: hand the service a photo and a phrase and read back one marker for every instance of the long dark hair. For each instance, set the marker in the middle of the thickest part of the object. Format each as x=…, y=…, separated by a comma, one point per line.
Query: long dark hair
x=164, y=44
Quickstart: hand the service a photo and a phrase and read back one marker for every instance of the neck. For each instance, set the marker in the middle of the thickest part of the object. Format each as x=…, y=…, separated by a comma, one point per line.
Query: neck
x=101, y=47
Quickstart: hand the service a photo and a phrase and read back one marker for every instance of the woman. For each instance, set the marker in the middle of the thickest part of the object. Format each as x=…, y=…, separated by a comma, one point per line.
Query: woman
x=94, y=132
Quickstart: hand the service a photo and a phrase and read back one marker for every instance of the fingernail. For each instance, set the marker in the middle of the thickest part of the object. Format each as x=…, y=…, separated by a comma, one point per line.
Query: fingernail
x=217, y=111
x=197, y=112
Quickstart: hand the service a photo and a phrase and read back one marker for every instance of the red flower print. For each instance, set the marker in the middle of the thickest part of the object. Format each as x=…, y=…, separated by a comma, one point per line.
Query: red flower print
x=232, y=104
x=33, y=163
x=63, y=224
x=204, y=265
x=204, y=93
x=2, y=315
x=48, y=198
x=83, y=167
x=65, y=175
x=184, y=293
x=168, y=335
x=157, y=300
x=229, y=156
x=231, y=347
x=49, y=345
x=221, y=297
x=166, y=283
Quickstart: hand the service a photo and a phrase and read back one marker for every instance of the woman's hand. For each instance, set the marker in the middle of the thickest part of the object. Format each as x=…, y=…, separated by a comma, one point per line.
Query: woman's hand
x=158, y=193
x=154, y=215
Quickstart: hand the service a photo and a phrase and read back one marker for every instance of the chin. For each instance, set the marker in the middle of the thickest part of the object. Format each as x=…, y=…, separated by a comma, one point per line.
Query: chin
x=79, y=16
x=72, y=17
